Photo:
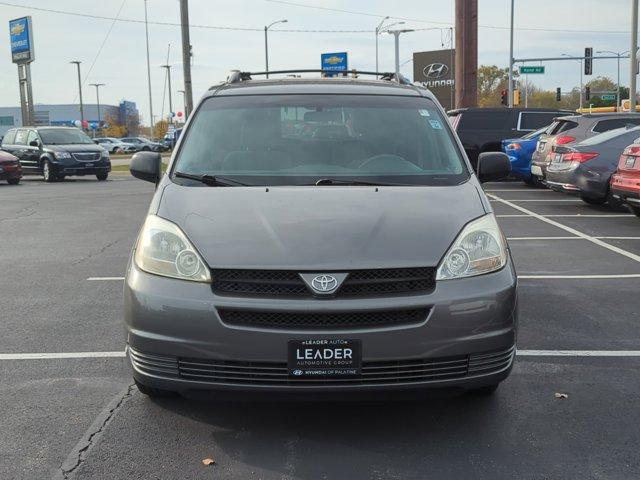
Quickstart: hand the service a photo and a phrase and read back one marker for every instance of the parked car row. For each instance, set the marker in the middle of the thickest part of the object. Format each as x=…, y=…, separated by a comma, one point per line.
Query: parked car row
x=130, y=144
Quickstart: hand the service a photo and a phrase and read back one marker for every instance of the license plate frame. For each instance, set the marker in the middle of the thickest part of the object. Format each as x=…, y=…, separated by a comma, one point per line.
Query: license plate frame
x=630, y=162
x=88, y=165
x=324, y=358
x=536, y=170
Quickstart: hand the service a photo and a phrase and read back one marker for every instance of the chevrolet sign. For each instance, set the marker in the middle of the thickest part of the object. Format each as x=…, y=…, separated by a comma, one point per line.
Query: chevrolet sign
x=20, y=35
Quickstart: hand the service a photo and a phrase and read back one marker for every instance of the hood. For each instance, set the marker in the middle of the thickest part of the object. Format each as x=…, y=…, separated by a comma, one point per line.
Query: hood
x=6, y=157
x=321, y=228
x=85, y=147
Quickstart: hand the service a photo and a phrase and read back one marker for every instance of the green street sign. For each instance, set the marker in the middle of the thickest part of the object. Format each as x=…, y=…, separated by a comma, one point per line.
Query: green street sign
x=529, y=69
x=608, y=96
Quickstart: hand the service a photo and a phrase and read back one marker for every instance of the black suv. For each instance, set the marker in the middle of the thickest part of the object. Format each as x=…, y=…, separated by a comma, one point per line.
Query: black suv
x=482, y=129
x=56, y=152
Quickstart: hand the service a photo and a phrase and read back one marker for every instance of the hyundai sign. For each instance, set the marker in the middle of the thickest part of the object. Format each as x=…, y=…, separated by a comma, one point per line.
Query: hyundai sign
x=435, y=71
x=336, y=62
x=20, y=33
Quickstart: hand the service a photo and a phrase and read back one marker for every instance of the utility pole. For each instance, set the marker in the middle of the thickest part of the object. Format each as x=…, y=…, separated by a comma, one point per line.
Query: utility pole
x=97, y=85
x=511, y=59
x=186, y=58
x=146, y=29
x=77, y=63
x=183, y=101
x=168, y=67
x=466, y=71
x=396, y=34
x=633, y=54
x=266, y=44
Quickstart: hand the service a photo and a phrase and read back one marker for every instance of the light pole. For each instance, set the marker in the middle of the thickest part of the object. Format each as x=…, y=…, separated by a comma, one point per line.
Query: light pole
x=266, y=44
x=186, y=58
x=581, y=86
x=168, y=67
x=97, y=85
x=77, y=63
x=146, y=29
x=511, y=58
x=396, y=34
x=383, y=28
x=617, y=54
x=633, y=56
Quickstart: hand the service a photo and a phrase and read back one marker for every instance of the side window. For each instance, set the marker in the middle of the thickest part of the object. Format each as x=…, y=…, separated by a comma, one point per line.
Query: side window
x=535, y=120
x=9, y=137
x=21, y=137
x=606, y=125
x=32, y=136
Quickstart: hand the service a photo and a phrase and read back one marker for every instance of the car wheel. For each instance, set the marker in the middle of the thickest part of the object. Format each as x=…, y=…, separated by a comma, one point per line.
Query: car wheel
x=154, y=392
x=47, y=172
x=594, y=201
x=146, y=149
x=118, y=150
x=102, y=176
x=635, y=210
x=486, y=391
x=615, y=204
x=13, y=181
x=534, y=182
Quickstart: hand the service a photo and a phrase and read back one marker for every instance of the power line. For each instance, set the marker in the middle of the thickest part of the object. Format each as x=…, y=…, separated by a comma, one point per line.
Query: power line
x=495, y=27
x=173, y=24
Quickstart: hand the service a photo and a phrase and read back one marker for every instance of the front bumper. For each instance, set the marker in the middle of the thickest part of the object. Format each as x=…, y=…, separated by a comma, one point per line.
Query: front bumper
x=71, y=167
x=8, y=172
x=177, y=341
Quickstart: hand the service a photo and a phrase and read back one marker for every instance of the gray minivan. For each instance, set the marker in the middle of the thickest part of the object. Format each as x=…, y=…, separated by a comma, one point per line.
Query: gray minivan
x=317, y=235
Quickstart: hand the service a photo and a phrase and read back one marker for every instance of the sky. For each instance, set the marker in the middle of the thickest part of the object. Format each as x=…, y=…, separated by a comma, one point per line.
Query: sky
x=114, y=53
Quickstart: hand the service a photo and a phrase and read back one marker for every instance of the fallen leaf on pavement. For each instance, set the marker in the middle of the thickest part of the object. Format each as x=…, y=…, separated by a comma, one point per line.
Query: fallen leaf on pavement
x=561, y=395
x=209, y=461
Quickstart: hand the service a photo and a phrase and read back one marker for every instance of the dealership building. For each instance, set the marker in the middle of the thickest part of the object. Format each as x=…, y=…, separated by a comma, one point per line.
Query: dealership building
x=125, y=114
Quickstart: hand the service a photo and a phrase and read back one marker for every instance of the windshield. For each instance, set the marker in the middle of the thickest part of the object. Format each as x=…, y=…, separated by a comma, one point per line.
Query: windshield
x=63, y=136
x=300, y=139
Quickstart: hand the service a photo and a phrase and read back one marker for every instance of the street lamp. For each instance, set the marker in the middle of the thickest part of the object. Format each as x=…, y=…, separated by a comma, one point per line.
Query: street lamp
x=617, y=54
x=77, y=64
x=380, y=29
x=396, y=34
x=581, y=86
x=97, y=85
x=266, y=44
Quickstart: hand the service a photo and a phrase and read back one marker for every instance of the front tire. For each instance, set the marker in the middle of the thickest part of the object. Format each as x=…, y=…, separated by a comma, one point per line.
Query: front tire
x=102, y=176
x=13, y=181
x=47, y=172
x=635, y=210
x=154, y=392
x=533, y=182
x=594, y=201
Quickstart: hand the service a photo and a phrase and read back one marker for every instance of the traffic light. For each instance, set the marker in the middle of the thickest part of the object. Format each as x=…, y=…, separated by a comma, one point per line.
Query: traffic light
x=558, y=94
x=516, y=97
x=588, y=61
x=587, y=93
x=504, y=97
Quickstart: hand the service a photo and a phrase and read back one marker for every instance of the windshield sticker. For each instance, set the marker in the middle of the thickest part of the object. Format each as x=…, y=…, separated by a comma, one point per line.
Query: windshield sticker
x=424, y=113
x=435, y=124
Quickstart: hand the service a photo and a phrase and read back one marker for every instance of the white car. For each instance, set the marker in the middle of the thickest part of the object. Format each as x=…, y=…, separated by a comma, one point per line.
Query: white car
x=115, y=145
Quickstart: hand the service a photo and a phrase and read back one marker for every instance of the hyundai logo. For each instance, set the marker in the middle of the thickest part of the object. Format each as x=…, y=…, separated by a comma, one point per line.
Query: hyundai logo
x=324, y=283
x=435, y=70
x=297, y=373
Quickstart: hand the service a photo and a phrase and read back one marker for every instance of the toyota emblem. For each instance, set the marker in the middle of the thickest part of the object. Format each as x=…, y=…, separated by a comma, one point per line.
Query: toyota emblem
x=435, y=70
x=324, y=283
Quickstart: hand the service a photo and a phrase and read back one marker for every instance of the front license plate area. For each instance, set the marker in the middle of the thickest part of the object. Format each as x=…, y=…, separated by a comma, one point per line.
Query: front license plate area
x=321, y=358
x=536, y=170
x=88, y=165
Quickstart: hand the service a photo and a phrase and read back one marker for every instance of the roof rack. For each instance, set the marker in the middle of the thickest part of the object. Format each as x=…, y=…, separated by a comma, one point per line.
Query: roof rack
x=237, y=76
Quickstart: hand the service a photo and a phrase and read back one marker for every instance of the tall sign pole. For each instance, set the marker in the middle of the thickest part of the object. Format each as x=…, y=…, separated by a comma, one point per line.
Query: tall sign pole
x=22, y=54
x=466, y=71
x=146, y=30
x=511, y=59
x=186, y=58
x=633, y=55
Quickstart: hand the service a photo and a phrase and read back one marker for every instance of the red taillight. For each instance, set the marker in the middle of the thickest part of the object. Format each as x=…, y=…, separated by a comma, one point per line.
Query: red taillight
x=632, y=150
x=514, y=146
x=565, y=139
x=579, y=157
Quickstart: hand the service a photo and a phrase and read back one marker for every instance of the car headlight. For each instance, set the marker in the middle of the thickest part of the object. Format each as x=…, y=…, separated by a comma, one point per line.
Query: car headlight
x=163, y=249
x=61, y=155
x=480, y=248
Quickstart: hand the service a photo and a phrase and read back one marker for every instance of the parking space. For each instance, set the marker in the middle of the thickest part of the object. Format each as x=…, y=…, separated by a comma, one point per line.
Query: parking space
x=579, y=277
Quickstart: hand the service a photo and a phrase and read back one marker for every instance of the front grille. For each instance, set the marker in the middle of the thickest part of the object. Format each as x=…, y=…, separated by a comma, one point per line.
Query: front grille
x=359, y=283
x=87, y=156
x=385, y=318
x=423, y=370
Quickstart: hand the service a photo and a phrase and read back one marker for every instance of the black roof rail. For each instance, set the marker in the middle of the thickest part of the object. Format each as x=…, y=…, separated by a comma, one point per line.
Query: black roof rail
x=237, y=76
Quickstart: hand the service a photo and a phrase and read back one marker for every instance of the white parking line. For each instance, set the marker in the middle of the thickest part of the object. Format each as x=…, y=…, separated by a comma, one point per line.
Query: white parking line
x=570, y=230
x=517, y=190
x=544, y=200
x=570, y=238
x=604, y=215
x=578, y=277
x=520, y=353
x=104, y=279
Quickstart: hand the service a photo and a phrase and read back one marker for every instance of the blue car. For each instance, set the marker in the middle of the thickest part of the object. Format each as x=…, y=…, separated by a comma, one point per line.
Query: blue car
x=520, y=151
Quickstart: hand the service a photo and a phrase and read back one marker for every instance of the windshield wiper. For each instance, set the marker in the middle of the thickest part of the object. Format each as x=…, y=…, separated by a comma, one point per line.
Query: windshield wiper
x=337, y=181
x=210, y=180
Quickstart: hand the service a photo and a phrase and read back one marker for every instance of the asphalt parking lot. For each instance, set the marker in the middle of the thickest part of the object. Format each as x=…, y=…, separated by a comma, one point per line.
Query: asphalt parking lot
x=70, y=411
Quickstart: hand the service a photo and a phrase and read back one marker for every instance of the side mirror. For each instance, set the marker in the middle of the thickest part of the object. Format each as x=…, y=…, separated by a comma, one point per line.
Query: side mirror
x=146, y=166
x=493, y=166
x=34, y=143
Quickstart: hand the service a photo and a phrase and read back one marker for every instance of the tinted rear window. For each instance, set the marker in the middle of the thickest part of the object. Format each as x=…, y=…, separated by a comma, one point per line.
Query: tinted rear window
x=484, y=120
x=606, y=125
x=612, y=134
x=561, y=126
x=536, y=120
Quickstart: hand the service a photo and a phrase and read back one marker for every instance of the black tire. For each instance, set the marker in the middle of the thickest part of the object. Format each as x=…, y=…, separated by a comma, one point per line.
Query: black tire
x=154, y=392
x=615, y=204
x=635, y=210
x=533, y=182
x=13, y=181
x=102, y=176
x=146, y=149
x=484, y=391
x=47, y=172
x=594, y=201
